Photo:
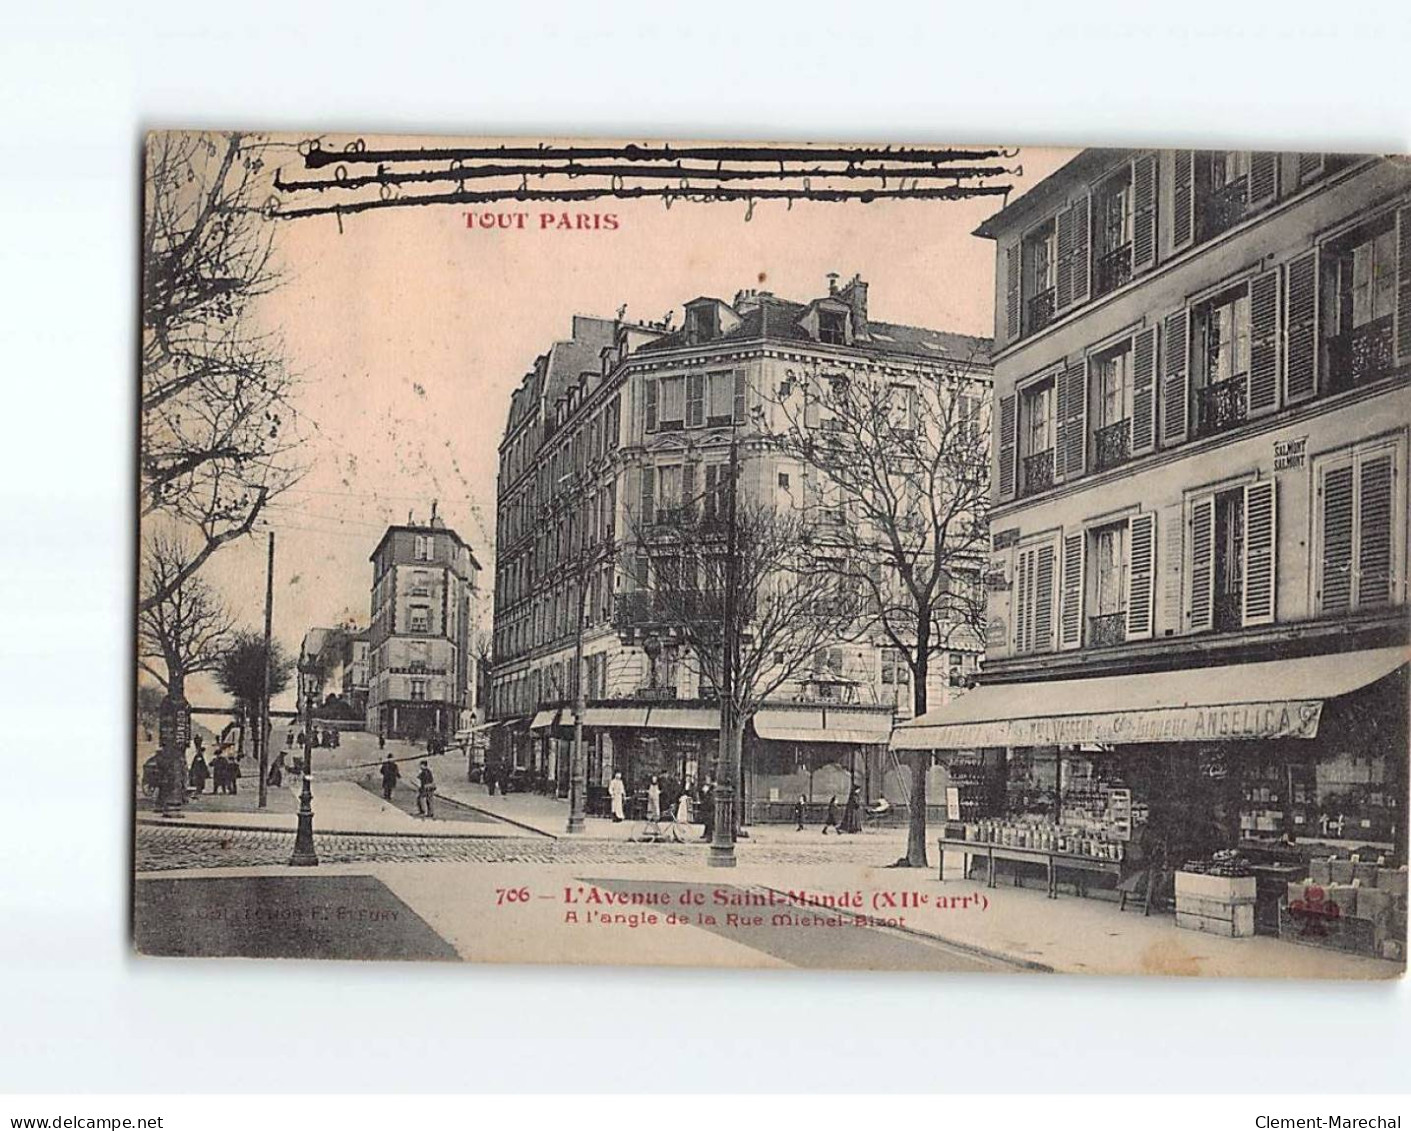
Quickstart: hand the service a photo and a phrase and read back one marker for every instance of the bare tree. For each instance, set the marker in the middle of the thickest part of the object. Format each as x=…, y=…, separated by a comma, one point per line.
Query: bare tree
x=736, y=581
x=184, y=627
x=899, y=471
x=216, y=425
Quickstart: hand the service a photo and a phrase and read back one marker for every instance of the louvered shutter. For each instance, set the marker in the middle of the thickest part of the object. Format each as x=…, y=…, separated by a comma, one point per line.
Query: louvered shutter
x=712, y=473
x=695, y=400
x=1260, y=543
x=646, y=513
x=1402, y=332
x=739, y=411
x=1301, y=328
x=1066, y=224
x=1310, y=167
x=1044, y=595
x=1263, y=344
x=1082, y=250
x=688, y=491
x=1143, y=212
x=1175, y=372
x=1141, y=575
x=651, y=394
x=1008, y=435
x=1202, y=598
x=1011, y=292
x=1263, y=178
x=1374, y=528
x=1144, y=391
x=1070, y=615
x=1182, y=198
x=1070, y=458
x=1023, y=638
x=1335, y=561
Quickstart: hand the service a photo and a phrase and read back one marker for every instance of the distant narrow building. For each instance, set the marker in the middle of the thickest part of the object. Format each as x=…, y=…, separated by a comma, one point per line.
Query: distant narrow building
x=419, y=665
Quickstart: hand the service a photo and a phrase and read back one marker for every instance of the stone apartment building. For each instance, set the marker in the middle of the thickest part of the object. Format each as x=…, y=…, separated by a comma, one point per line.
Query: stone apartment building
x=1197, y=587
x=615, y=431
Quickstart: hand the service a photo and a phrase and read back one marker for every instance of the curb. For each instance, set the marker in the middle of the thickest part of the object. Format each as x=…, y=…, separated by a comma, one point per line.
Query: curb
x=496, y=816
x=184, y=824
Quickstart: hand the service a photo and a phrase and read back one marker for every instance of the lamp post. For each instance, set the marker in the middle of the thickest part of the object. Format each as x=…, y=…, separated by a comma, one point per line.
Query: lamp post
x=722, y=845
x=304, y=855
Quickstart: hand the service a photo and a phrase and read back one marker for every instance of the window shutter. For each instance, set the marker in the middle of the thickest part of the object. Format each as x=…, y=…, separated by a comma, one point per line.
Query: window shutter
x=651, y=394
x=739, y=412
x=1335, y=565
x=695, y=400
x=1260, y=543
x=646, y=515
x=1182, y=198
x=1143, y=212
x=1202, y=602
x=1023, y=639
x=1044, y=591
x=1065, y=224
x=1310, y=167
x=1071, y=442
x=1263, y=344
x=1144, y=391
x=1301, y=328
x=1082, y=250
x=1070, y=615
x=1141, y=574
x=1402, y=332
x=1011, y=294
x=1263, y=177
x=1008, y=434
x=1374, y=526
x=1175, y=393
x=688, y=490
x=712, y=473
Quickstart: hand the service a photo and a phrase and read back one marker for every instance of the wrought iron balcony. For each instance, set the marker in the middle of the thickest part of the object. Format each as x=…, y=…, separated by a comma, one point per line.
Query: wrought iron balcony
x=642, y=608
x=1038, y=472
x=1229, y=610
x=1361, y=355
x=1221, y=405
x=1223, y=208
x=1112, y=445
x=1038, y=312
x=1113, y=269
x=1107, y=630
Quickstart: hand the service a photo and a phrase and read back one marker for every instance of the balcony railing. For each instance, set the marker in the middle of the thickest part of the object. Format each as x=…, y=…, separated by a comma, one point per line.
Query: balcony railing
x=1361, y=355
x=1229, y=610
x=1224, y=207
x=641, y=608
x=1112, y=445
x=1039, y=312
x=1038, y=472
x=1221, y=405
x=1106, y=630
x=1113, y=269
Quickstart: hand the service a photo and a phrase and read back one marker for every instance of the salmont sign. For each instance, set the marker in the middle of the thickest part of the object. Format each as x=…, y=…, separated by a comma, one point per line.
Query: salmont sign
x=1290, y=719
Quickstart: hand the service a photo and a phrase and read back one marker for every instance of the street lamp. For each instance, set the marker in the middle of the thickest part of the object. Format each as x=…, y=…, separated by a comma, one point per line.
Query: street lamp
x=304, y=855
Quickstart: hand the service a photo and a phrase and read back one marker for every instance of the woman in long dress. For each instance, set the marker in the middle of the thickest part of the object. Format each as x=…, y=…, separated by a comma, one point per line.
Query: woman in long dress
x=617, y=793
x=654, y=801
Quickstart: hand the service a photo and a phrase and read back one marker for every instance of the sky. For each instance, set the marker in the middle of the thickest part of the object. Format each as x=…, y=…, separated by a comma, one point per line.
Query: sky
x=409, y=331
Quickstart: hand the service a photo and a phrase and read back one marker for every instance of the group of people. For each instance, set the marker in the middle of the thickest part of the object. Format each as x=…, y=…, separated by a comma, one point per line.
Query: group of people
x=852, y=813
x=425, y=786
x=318, y=736
x=223, y=772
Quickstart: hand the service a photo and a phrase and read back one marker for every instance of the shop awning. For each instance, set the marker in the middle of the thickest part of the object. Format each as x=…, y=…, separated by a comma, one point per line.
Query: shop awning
x=545, y=719
x=818, y=724
x=1270, y=699
x=683, y=718
x=615, y=717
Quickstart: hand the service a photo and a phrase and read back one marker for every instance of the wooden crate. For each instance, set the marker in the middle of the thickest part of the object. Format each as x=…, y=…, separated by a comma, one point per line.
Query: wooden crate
x=1228, y=888
x=1240, y=924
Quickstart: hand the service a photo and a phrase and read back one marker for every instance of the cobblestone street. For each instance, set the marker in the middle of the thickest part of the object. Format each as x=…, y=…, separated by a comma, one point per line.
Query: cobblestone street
x=161, y=848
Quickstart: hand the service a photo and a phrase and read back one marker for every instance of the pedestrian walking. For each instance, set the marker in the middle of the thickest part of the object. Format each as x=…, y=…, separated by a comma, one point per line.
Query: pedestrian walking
x=830, y=820
x=617, y=793
x=799, y=807
x=425, y=791
x=654, y=801
x=218, y=766
x=276, y=771
x=683, y=808
x=199, y=771
x=708, y=808
x=852, y=812
x=232, y=775
x=390, y=775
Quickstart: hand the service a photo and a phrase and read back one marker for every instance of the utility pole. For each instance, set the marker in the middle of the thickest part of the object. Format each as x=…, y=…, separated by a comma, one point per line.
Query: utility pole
x=722, y=846
x=262, y=738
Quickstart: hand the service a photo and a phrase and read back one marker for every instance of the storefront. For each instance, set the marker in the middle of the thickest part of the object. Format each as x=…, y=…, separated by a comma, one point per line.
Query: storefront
x=1282, y=762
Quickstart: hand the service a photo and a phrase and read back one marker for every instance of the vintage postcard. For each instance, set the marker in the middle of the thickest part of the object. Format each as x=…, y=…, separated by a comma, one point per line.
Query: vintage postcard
x=889, y=557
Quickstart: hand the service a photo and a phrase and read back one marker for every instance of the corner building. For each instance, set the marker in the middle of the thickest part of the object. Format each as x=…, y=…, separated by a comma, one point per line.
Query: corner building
x=1197, y=587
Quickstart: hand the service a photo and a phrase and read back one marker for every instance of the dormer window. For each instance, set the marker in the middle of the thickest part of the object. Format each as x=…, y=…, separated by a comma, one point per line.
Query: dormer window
x=833, y=327
x=700, y=323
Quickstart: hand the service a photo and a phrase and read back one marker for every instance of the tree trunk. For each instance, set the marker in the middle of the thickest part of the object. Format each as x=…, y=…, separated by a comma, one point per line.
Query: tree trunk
x=920, y=760
x=171, y=758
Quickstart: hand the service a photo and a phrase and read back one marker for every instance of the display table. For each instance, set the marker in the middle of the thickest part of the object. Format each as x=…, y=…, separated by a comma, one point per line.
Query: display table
x=1053, y=861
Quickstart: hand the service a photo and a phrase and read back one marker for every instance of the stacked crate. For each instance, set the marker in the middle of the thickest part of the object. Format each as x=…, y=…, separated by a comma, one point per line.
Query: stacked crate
x=1217, y=905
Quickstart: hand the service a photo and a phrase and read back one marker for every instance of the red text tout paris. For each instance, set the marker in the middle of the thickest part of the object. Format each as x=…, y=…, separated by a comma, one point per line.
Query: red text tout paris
x=542, y=221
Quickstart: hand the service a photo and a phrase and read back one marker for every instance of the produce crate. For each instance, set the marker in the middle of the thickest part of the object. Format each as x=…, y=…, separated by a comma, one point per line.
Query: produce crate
x=1216, y=905
x=1350, y=934
x=1239, y=924
x=1230, y=889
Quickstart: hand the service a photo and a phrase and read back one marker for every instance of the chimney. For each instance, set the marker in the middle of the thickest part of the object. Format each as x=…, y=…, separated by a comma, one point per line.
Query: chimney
x=833, y=282
x=855, y=295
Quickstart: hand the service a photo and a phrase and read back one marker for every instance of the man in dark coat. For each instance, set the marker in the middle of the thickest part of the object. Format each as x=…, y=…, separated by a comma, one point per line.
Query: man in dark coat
x=218, y=772
x=199, y=771
x=852, y=812
x=708, y=808
x=390, y=774
x=425, y=792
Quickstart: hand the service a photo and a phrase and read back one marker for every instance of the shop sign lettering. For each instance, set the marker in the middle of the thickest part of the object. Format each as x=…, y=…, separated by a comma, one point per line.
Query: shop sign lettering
x=1003, y=539
x=1289, y=454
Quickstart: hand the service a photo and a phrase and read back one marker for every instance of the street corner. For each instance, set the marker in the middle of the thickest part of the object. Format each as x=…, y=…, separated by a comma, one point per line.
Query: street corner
x=334, y=917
